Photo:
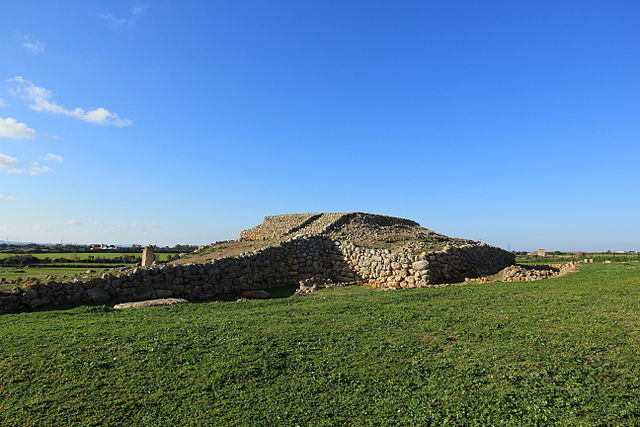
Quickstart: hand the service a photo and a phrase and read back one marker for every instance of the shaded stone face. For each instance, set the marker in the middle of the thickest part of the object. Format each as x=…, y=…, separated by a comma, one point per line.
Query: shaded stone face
x=148, y=256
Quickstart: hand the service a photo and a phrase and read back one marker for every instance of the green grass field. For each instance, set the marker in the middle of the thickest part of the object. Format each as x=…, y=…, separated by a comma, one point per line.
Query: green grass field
x=82, y=263
x=561, y=259
x=87, y=257
x=41, y=272
x=562, y=350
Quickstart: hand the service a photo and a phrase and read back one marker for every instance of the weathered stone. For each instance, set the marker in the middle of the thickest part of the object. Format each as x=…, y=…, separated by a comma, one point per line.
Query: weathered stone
x=256, y=294
x=148, y=256
x=97, y=295
x=150, y=303
x=420, y=265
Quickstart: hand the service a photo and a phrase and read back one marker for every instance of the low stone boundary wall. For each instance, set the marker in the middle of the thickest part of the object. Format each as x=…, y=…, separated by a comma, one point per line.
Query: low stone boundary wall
x=527, y=273
x=300, y=258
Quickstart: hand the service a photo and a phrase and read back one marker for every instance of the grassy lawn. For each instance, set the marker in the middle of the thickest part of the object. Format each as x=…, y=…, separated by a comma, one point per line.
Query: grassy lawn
x=88, y=256
x=561, y=259
x=562, y=350
x=82, y=263
x=40, y=272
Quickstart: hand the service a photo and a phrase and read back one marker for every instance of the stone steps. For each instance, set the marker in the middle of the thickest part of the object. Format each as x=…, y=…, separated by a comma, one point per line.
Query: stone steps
x=276, y=226
x=320, y=224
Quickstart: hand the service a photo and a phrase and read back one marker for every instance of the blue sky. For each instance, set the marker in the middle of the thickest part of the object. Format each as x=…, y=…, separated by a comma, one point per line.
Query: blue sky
x=515, y=123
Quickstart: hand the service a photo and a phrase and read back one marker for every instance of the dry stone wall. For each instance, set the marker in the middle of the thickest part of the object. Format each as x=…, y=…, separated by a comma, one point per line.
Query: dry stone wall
x=406, y=270
x=299, y=258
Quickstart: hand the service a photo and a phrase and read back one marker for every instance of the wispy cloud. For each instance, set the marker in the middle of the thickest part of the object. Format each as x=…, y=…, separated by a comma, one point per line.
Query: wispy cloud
x=3, y=103
x=7, y=162
x=53, y=157
x=42, y=100
x=73, y=222
x=115, y=22
x=36, y=47
x=139, y=9
x=35, y=170
x=31, y=45
x=7, y=197
x=10, y=128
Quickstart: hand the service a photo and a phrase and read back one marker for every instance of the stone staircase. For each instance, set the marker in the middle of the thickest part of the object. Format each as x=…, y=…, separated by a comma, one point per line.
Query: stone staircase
x=277, y=226
x=318, y=224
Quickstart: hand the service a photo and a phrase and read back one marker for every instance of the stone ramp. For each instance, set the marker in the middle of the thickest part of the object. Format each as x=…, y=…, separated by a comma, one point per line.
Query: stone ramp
x=277, y=226
x=286, y=226
x=320, y=224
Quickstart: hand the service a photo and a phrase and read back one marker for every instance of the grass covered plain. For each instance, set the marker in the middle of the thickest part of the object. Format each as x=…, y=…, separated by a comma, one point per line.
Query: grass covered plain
x=562, y=350
x=41, y=272
x=88, y=256
x=82, y=262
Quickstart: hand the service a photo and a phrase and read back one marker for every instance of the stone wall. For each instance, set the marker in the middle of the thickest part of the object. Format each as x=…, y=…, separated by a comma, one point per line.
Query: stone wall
x=406, y=270
x=299, y=258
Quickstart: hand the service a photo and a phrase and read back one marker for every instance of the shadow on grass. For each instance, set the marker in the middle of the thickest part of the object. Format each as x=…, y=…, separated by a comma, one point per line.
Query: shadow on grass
x=105, y=306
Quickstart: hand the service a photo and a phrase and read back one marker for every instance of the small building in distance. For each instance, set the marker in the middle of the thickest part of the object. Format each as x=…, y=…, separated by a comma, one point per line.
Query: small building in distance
x=101, y=247
x=539, y=252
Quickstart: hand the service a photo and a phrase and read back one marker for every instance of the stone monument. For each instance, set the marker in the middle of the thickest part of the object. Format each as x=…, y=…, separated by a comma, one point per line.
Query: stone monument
x=148, y=256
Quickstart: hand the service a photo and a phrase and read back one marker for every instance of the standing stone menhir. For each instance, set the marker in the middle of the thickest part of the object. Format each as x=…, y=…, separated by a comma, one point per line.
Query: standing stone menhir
x=148, y=256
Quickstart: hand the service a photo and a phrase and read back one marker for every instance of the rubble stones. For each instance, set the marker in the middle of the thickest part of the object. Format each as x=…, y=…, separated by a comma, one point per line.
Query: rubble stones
x=526, y=273
x=256, y=294
x=150, y=303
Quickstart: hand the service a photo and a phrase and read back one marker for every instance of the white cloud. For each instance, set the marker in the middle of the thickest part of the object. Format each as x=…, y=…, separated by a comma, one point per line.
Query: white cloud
x=3, y=103
x=10, y=128
x=115, y=22
x=7, y=162
x=42, y=100
x=56, y=137
x=73, y=222
x=139, y=9
x=53, y=157
x=7, y=197
x=35, y=47
x=33, y=171
x=32, y=45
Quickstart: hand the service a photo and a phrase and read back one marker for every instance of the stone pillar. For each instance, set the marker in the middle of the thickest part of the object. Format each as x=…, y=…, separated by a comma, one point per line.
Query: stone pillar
x=148, y=256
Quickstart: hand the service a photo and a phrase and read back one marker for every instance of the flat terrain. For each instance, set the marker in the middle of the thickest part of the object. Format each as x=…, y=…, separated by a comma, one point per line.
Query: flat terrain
x=87, y=257
x=562, y=259
x=60, y=272
x=563, y=350
x=81, y=263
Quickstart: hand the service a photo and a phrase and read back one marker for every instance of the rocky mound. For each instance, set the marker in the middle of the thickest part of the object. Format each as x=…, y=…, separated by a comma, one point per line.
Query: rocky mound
x=361, y=229
x=339, y=248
